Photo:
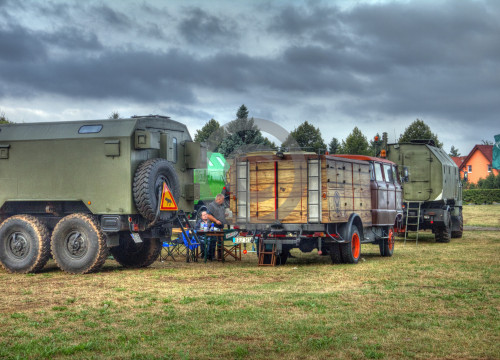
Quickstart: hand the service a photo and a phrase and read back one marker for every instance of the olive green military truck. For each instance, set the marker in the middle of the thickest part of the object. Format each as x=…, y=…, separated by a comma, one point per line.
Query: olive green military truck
x=73, y=190
x=432, y=191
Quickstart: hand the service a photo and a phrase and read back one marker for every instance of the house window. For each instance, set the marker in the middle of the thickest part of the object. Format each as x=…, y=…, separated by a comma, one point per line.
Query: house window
x=469, y=168
x=489, y=167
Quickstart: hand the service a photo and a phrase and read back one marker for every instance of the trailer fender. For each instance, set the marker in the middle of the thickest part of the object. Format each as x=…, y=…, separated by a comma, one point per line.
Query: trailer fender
x=345, y=229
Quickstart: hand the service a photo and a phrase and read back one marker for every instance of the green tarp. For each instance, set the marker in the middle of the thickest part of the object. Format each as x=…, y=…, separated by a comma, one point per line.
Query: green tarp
x=496, y=153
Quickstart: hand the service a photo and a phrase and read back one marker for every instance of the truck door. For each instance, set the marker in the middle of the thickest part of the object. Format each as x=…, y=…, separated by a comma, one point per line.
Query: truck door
x=391, y=193
x=418, y=187
x=379, y=194
x=173, y=141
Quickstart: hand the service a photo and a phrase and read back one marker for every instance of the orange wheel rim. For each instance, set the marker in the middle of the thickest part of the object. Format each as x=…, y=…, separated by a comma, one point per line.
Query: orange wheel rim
x=390, y=240
x=355, y=245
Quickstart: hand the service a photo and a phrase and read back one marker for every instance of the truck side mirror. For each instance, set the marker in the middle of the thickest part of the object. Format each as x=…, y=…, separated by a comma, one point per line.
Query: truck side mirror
x=466, y=176
x=405, y=174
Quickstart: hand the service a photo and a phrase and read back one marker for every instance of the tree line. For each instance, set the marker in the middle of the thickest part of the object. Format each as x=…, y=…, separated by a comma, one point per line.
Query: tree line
x=242, y=135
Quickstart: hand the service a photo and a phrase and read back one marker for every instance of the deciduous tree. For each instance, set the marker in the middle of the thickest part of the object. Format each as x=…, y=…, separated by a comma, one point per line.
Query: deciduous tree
x=307, y=136
x=419, y=130
x=356, y=143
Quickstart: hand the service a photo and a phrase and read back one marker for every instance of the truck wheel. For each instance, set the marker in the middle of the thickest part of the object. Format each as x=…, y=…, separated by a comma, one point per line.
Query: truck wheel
x=148, y=184
x=335, y=254
x=457, y=220
x=130, y=254
x=24, y=244
x=282, y=258
x=443, y=233
x=78, y=244
x=352, y=251
x=387, y=245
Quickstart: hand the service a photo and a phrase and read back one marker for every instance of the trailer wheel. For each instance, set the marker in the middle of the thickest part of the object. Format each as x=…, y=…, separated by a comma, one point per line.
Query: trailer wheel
x=352, y=251
x=335, y=254
x=130, y=254
x=457, y=220
x=282, y=258
x=78, y=244
x=148, y=184
x=24, y=244
x=387, y=245
x=443, y=232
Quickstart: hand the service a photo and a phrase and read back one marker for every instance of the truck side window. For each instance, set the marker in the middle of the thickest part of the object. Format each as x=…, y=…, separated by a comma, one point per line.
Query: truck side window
x=174, y=149
x=395, y=174
x=90, y=129
x=388, y=173
x=378, y=172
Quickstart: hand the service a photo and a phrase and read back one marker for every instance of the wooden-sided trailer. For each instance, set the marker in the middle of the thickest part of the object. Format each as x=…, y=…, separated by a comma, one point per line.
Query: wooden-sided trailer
x=332, y=203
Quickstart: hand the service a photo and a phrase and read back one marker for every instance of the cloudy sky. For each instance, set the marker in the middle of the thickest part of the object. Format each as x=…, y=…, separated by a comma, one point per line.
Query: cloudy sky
x=377, y=65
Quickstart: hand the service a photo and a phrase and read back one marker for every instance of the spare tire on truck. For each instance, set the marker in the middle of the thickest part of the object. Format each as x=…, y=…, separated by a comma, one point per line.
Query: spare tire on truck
x=24, y=244
x=132, y=255
x=148, y=185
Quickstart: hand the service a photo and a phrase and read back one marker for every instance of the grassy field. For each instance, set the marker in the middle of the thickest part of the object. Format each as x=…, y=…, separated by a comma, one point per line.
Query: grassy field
x=482, y=215
x=429, y=301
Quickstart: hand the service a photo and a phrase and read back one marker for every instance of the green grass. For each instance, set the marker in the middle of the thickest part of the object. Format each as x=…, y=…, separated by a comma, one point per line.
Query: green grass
x=429, y=301
x=482, y=215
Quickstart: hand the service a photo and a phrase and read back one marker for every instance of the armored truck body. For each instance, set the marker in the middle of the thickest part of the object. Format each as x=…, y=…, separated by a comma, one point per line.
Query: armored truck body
x=92, y=184
x=432, y=190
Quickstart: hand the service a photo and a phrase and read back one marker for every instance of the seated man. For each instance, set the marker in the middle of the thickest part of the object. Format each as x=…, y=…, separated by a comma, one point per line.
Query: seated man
x=204, y=225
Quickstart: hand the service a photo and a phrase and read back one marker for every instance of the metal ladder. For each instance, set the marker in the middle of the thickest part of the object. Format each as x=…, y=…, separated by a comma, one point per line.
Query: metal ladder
x=415, y=219
x=263, y=252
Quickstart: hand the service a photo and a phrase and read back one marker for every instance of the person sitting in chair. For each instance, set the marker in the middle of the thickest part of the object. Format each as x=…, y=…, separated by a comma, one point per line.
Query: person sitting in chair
x=203, y=224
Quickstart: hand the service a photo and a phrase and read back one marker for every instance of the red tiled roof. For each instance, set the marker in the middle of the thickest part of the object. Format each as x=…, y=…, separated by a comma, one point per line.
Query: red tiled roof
x=458, y=159
x=486, y=150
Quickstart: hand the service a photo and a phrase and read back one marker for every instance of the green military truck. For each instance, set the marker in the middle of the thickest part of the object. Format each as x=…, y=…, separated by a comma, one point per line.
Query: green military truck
x=432, y=191
x=72, y=190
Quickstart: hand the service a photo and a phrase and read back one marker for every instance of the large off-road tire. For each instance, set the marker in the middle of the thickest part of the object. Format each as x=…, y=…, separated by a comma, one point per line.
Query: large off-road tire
x=24, y=244
x=351, y=252
x=457, y=221
x=335, y=254
x=387, y=245
x=443, y=232
x=78, y=245
x=148, y=184
x=132, y=255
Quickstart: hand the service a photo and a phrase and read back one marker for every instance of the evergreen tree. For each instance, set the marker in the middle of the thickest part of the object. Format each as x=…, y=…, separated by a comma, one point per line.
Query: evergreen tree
x=356, y=143
x=242, y=135
x=419, y=130
x=307, y=137
x=334, y=146
x=206, y=131
x=454, y=152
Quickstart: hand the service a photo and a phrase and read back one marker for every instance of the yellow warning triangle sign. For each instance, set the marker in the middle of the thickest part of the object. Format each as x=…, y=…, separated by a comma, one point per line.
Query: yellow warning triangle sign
x=167, y=200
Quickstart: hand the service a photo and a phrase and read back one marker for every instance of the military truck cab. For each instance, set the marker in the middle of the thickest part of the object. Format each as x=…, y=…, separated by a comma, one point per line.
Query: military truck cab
x=332, y=203
x=74, y=189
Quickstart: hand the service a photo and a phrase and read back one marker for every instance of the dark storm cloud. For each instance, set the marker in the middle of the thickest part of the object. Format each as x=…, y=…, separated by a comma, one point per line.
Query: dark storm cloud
x=201, y=27
x=71, y=38
x=19, y=44
x=394, y=58
x=138, y=76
